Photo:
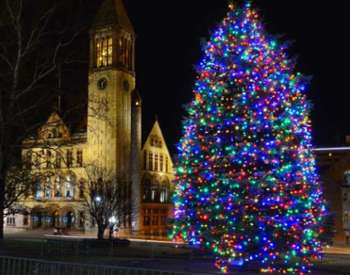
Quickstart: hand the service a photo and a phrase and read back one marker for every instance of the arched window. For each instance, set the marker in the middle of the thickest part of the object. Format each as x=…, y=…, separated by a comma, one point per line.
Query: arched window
x=156, y=162
x=48, y=187
x=58, y=187
x=161, y=163
x=155, y=192
x=146, y=190
x=150, y=161
x=104, y=52
x=80, y=158
x=69, y=187
x=69, y=158
x=58, y=160
x=164, y=192
x=81, y=189
x=38, y=192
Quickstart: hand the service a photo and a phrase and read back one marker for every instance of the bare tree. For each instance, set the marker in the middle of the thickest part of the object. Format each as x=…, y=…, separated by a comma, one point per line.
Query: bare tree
x=32, y=46
x=104, y=198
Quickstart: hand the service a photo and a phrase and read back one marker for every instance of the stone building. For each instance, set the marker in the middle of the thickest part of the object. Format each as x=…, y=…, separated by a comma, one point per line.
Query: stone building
x=58, y=155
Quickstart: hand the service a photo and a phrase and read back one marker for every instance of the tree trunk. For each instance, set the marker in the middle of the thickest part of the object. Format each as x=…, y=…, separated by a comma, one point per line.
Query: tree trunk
x=100, y=232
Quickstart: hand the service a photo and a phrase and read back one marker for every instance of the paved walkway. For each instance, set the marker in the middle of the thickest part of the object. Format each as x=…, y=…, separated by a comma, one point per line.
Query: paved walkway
x=336, y=262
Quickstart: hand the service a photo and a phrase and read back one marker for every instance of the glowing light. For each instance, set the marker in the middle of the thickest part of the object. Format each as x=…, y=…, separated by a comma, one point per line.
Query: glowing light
x=247, y=188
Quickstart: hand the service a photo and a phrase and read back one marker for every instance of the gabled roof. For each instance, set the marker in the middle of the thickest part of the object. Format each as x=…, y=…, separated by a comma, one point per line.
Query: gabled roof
x=54, y=122
x=156, y=131
x=113, y=13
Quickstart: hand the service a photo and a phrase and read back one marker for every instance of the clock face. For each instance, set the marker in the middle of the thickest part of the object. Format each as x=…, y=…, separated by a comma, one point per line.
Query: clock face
x=102, y=83
x=126, y=85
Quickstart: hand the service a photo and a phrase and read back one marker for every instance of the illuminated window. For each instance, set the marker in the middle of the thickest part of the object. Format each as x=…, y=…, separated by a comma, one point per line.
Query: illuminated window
x=147, y=197
x=48, y=188
x=69, y=187
x=58, y=160
x=58, y=191
x=150, y=161
x=80, y=158
x=48, y=159
x=155, y=162
x=38, y=193
x=69, y=158
x=166, y=164
x=161, y=163
x=104, y=52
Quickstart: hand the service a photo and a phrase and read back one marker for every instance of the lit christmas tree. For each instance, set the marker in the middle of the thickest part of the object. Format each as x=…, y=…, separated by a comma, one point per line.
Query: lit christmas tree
x=247, y=189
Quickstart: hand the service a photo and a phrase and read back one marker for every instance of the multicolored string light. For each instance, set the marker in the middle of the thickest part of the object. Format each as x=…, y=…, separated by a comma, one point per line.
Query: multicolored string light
x=247, y=189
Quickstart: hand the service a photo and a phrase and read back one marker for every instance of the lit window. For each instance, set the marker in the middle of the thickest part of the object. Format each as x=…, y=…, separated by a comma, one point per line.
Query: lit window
x=150, y=161
x=48, y=188
x=69, y=158
x=38, y=194
x=58, y=160
x=80, y=158
x=164, y=195
x=155, y=162
x=69, y=187
x=48, y=159
x=11, y=221
x=58, y=193
x=161, y=163
x=104, y=52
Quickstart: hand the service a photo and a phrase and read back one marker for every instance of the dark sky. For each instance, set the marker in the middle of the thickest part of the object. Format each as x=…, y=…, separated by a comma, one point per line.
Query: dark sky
x=168, y=45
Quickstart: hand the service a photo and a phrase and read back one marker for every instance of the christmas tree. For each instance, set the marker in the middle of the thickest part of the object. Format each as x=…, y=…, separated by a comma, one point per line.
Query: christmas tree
x=247, y=189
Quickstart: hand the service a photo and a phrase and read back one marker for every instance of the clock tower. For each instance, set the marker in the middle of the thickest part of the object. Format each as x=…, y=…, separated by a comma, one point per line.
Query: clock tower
x=111, y=89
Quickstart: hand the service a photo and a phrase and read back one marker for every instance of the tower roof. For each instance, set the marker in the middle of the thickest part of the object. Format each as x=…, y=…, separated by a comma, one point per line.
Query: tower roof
x=112, y=13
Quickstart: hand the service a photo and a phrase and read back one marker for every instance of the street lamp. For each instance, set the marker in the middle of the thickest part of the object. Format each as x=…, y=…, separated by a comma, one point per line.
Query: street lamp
x=112, y=220
x=98, y=199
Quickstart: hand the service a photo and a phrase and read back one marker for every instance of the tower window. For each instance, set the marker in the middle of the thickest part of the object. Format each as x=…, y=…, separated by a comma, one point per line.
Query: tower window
x=104, y=52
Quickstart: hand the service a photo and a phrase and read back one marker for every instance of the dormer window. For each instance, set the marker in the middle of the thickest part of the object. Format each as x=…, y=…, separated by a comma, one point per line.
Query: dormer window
x=104, y=51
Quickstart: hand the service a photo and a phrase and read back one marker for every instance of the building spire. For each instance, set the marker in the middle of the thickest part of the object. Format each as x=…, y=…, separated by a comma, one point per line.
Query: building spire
x=113, y=13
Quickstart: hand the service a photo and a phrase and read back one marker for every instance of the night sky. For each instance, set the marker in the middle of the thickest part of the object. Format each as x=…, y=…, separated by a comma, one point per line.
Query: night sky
x=169, y=35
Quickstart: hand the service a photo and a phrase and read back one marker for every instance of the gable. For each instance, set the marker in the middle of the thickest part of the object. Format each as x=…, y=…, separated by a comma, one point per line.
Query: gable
x=54, y=128
x=155, y=142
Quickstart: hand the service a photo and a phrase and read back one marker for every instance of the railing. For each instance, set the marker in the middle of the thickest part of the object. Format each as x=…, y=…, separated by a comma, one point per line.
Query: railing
x=24, y=266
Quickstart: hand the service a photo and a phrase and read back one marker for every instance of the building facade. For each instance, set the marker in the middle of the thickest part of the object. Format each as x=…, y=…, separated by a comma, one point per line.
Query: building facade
x=334, y=168
x=58, y=157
